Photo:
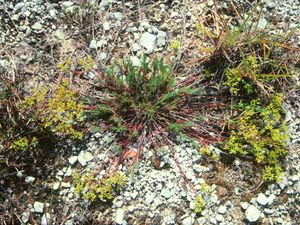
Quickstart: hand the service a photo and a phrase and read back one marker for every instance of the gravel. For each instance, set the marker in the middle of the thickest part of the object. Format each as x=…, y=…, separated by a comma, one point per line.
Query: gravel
x=40, y=32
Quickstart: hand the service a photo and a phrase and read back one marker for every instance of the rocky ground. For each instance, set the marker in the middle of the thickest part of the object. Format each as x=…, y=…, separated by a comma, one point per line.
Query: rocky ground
x=37, y=34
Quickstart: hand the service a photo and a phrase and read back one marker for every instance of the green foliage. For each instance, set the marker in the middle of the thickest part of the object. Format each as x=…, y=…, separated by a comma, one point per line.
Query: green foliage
x=103, y=189
x=178, y=128
x=261, y=132
x=139, y=101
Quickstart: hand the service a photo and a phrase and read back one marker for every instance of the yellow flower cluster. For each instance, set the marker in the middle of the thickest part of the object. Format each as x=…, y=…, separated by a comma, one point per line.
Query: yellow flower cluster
x=87, y=63
x=262, y=133
x=60, y=112
x=63, y=112
x=103, y=189
x=248, y=68
x=200, y=204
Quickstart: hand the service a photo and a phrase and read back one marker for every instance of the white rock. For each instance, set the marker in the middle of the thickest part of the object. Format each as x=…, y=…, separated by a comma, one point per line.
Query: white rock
x=135, y=61
x=145, y=24
x=157, y=202
x=262, y=199
x=119, y=216
x=52, y=13
x=19, y=6
x=118, y=15
x=98, y=134
x=38, y=207
x=210, y=3
x=295, y=178
x=149, y=198
x=222, y=209
x=29, y=179
x=203, y=212
x=67, y=4
x=93, y=44
x=106, y=26
x=136, y=47
x=148, y=41
x=69, y=222
x=262, y=23
x=60, y=173
x=161, y=38
x=166, y=193
x=84, y=157
x=188, y=221
x=214, y=198
x=252, y=213
x=283, y=183
x=56, y=186
x=59, y=34
x=20, y=174
x=25, y=217
x=244, y=205
x=69, y=172
x=268, y=211
x=134, y=194
x=168, y=217
x=213, y=220
x=219, y=218
x=101, y=43
x=73, y=159
x=271, y=199
x=119, y=204
x=90, y=75
x=65, y=184
x=103, y=55
x=104, y=4
x=130, y=208
x=37, y=26
x=15, y=17
x=27, y=13
x=46, y=219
